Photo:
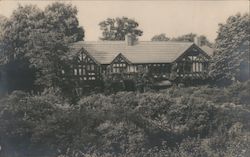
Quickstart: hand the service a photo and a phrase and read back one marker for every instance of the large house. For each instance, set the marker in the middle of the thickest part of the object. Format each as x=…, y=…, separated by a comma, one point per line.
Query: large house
x=130, y=57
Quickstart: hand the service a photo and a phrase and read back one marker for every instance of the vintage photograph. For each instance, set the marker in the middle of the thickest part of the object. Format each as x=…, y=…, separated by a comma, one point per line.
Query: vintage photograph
x=124, y=78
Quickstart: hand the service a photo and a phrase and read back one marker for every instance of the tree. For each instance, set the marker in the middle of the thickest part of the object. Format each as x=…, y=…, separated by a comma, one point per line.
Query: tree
x=191, y=38
x=50, y=47
x=16, y=43
x=117, y=28
x=160, y=37
x=187, y=37
x=3, y=21
x=204, y=41
x=62, y=18
x=231, y=60
x=41, y=40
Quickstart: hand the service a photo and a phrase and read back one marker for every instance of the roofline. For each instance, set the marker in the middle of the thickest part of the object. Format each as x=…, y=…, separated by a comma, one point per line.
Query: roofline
x=202, y=51
x=87, y=53
x=125, y=58
x=143, y=63
x=193, y=45
x=123, y=41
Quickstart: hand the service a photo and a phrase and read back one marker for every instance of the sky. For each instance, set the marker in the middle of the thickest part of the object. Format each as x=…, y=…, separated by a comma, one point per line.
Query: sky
x=174, y=18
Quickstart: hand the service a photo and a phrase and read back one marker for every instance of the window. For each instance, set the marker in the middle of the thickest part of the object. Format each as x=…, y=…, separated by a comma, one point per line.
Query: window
x=88, y=67
x=63, y=72
x=132, y=68
x=80, y=71
x=198, y=67
x=140, y=68
x=91, y=78
x=188, y=67
x=92, y=67
x=119, y=67
x=194, y=70
x=201, y=68
x=75, y=71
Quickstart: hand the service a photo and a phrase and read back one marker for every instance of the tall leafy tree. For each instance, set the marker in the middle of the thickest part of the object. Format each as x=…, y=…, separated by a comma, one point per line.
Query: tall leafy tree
x=231, y=60
x=18, y=29
x=3, y=21
x=50, y=46
x=15, y=46
x=62, y=18
x=39, y=40
x=117, y=28
x=160, y=37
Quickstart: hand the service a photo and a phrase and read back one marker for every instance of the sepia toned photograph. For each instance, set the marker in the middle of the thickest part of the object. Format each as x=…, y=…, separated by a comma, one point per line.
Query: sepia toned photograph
x=124, y=78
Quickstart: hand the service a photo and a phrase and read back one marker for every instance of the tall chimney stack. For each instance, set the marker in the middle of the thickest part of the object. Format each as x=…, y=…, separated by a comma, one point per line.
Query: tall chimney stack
x=197, y=40
x=130, y=39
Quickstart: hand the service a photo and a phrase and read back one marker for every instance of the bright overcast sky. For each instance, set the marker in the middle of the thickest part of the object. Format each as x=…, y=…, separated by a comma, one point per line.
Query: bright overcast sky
x=173, y=18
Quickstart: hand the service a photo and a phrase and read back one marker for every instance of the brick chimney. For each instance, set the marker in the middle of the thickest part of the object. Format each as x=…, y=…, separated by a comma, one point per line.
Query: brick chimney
x=130, y=39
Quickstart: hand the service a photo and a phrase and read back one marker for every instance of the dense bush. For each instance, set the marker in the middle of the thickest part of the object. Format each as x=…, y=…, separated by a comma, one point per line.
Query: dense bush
x=24, y=119
x=177, y=122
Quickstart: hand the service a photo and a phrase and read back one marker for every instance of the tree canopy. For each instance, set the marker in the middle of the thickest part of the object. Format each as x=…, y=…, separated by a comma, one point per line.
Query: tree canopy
x=51, y=43
x=186, y=37
x=117, y=28
x=41, y=39
x=3, y=21
x=204, y=41
x=231, y=60
x=190, y=37
x=160, y=37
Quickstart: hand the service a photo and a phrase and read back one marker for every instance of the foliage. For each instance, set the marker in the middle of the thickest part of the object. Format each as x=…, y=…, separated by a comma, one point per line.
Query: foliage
x=51, y=43
x=18, y=29
x=117, y=28
x=193, y=121
x=39, y=39
x=187, y=37
x=160, y=37
x=3, y=21
x=204, y=41
x=231, y=60
x=21, y=118
x=15, y=41
x=190, y=37
x=175, y=122
x=61, y=17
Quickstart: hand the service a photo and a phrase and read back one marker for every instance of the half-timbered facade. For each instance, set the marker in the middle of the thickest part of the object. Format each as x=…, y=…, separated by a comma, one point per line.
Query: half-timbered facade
x=100, y=58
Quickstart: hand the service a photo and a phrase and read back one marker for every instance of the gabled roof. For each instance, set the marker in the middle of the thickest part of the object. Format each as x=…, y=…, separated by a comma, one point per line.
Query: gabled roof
x=120, y=55
x=141, y=52
x=208, y=50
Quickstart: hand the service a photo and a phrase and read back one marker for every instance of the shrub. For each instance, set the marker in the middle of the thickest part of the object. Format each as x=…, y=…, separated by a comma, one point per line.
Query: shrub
x=177, y=122
x=21, y=118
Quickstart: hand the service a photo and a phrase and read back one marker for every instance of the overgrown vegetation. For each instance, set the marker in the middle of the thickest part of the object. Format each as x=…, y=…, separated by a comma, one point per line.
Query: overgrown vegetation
x=181, y=122
x=231, y=60
x=37, y=42
x=202, y=121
